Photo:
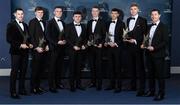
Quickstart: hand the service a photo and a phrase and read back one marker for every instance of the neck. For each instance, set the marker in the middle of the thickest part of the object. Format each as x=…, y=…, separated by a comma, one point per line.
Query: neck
x=114, y=19
x=134, y=15
x=39, y=18
x=76, y=22
x=155, y=21
x=19, y=20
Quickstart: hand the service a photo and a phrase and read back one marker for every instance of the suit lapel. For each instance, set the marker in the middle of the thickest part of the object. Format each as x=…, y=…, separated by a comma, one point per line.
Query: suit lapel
x=97, y=25
x=74, y=30
x=19, y=28
x=55, y=23
x=137, y=23
x=39, y=25
x=156, y=31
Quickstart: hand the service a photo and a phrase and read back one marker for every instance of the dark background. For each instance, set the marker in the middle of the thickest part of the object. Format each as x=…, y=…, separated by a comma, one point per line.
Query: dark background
x=172, y=22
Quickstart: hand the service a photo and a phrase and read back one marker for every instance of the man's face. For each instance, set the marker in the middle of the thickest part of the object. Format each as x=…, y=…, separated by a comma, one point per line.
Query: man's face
x=58, y=12
x=134, y=10
x=114, y=15
x=95, y=12
x=19, y=15
x=155, y=16
x=77, y=18
x=39, y=13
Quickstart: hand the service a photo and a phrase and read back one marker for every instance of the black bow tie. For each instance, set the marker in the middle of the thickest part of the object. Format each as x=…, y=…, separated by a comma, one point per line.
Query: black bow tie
x=113, y=22
x=77, y=24
x=59, y=20
x=40, y=20
x=20, y=22
x=132, y=18
x=153, y=24
x=95, y=20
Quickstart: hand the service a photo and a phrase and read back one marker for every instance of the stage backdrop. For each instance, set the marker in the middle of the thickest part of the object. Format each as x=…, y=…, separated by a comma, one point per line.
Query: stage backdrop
x=82, y=5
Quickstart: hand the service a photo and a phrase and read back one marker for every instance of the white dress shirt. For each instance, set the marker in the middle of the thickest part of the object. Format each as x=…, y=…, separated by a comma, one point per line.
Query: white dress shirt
x=112, y=29
x=132, y=22
x=78, y=28
x=41, y=23
x=60, y=25
x=94, y=24
x=152, y=31
x=20, y=24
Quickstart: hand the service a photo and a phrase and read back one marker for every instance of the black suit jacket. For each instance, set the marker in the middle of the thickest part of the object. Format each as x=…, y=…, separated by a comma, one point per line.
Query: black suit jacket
x=159, y=41
x=100, y=29
x=15, y=37
x=72, y=36
x=53, y=32
x=36, y=31
x=118, y=31
x=140, y=29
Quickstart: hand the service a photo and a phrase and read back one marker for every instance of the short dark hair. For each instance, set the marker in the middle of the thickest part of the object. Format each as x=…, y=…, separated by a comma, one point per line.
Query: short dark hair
x=77, y=13
x=39, y=8
x=97, y=7
x=115, y=10
x=18, y=9
x=157, y=10
x=61, y=7
x=134, y=5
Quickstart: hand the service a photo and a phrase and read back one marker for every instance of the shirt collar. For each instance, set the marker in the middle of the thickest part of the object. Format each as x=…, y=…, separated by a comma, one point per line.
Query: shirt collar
x=38, y=19
x=95, y=18
x=76, y=23
x=114, y=20
x=17, y=21
x=157, y=23
x=56, y=18
x=136, y=16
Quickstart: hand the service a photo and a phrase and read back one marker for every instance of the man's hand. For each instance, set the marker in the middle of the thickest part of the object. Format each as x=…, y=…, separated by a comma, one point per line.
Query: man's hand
x=76, y=48
x=142, y=46
x=30, y=46
x=133, y=41
x=47, y=48
x=24, y=46
x=83, y=47
x=150, y=48
x=112, y=44
x=39, y=49
x=89, y=43
x=105, y=44
x=62, y=42
x=99, y=46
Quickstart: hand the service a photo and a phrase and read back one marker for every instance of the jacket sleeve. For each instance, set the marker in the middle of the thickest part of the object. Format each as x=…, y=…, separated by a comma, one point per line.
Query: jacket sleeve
x=10, y=33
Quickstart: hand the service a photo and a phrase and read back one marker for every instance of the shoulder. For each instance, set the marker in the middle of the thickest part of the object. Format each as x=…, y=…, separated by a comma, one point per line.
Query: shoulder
x=34, y=20
x=69, y=25
x=142, y=18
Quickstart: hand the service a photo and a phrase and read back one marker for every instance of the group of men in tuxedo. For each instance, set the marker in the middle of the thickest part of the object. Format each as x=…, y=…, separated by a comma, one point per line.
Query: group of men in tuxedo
x=52, y=38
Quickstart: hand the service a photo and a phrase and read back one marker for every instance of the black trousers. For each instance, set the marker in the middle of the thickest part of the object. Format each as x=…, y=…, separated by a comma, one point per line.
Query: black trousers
x=38, y=68
x=75, y=58
x=135, y=66
x=95, y=61
x=114, y=66
x=56, y=66
x=156, y=71
x=18, y=67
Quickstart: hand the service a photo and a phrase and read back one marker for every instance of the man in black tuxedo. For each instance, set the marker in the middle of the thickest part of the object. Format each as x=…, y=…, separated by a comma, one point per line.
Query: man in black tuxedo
x=155, y=55
x=18, y=38
x=113, y=42
x=55, y=36
x=76, y=38
x=37, y=32
x=137, y=27
x=96, y=31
